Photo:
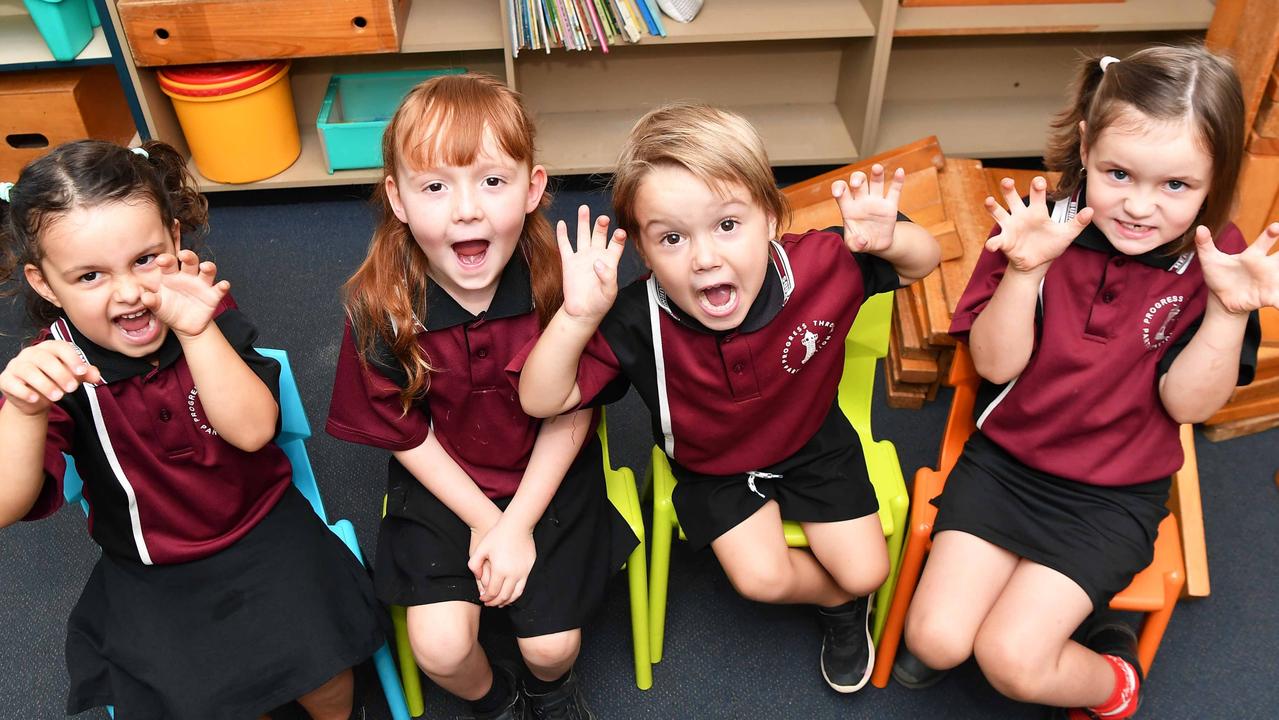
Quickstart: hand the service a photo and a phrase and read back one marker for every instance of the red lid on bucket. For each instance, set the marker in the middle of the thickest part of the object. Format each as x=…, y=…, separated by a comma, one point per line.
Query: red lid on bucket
x=219, y=78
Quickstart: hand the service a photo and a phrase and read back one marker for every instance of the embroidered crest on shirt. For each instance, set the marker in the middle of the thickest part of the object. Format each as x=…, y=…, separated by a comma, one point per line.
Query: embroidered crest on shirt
x=1158, y=322
x=808, y=339
x=193, y=410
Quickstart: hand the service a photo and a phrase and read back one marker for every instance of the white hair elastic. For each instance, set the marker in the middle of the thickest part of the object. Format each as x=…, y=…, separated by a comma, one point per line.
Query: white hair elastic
x=5, y=189
x=140, y=151
x=1108, y=61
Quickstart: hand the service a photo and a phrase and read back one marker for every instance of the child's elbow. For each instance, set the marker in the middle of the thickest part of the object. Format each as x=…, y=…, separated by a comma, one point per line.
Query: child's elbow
x=537, y=407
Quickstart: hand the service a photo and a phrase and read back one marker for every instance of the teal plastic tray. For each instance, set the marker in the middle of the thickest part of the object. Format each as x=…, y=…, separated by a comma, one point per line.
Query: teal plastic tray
x=66, y=25
x=356, y=110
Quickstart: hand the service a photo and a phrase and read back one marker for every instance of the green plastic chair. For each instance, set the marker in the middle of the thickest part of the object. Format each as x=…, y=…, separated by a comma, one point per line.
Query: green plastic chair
x=867, y=341
x=622, y=493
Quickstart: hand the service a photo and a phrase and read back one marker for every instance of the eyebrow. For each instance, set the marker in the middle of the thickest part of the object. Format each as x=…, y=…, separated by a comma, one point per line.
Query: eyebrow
x=723, y=205
x=152, y=249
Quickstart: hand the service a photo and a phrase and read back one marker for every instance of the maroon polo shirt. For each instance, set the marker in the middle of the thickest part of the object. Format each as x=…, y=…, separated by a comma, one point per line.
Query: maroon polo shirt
x=162, y=486
x=470, y=402
x=748, y=398
x=1108, y=326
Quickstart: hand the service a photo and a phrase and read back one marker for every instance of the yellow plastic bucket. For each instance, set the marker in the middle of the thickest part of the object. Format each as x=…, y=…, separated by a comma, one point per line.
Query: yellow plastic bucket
x=238, y=118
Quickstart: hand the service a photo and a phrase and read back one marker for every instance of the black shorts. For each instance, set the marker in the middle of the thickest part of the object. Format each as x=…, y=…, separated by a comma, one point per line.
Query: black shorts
x=581, y=542
x=226, y=637
x=1098, y=536
x=825, y=481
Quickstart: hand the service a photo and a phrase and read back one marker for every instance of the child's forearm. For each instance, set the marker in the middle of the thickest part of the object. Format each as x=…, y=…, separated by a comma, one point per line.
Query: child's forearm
x=548, y=382
x=239, y=405
x=1203, y=376
x=914, y=252
x=22, y=439
x=440, y=474
x=1002, y=337
x=558, y=443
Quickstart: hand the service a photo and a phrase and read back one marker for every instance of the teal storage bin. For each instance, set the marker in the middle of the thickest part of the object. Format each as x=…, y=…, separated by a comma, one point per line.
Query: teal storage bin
x=66, y=25
x=356, y=111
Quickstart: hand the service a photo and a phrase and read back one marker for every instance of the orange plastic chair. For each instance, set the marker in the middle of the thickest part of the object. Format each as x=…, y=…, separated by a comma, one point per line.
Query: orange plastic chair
x=1154, y=590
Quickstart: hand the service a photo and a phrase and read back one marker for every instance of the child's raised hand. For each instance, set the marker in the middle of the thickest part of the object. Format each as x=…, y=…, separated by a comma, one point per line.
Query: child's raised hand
x=1028, y=235
x=186, y=295
x=501, y=561
x=590, y=272
x=42, y=374
x=1244, y=282
x=870, y=215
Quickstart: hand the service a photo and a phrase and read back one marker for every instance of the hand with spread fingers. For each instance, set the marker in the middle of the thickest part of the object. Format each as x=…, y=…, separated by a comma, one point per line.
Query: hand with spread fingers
x=870, y=213
x=1028, y=235
x=42, y=374
x=590, y=271
x=1244, y=282
x=186, y=293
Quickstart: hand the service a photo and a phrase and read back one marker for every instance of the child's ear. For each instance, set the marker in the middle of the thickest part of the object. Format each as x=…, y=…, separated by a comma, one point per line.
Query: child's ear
x=393, y=195
x=176, y=232
x=772, y=227
x=35, y=276
x=1083, y=142
x=536, y=188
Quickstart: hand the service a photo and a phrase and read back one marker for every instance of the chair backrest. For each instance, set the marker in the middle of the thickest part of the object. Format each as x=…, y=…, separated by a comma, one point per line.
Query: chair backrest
x=294, y=430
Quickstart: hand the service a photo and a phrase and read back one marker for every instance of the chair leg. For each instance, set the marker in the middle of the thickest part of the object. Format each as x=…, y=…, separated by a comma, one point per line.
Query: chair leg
x=390, y=680
x=884, y=599
x=638, y=585
x=1153, y=627
x=408, y=664
x=659, y=573
x=911, y=566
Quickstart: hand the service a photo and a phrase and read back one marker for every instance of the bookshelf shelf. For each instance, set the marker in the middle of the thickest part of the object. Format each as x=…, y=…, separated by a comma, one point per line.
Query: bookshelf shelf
x=448, y=25
x=22, y=47
x=1127, y=16
x=587, y=142
x=769, y=20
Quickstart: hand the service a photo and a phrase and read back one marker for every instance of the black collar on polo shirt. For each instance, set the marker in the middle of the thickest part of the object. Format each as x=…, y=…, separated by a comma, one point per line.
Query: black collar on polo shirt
x=1162, y=257
x=772, y=296
x=116, y=366
x=513, y=297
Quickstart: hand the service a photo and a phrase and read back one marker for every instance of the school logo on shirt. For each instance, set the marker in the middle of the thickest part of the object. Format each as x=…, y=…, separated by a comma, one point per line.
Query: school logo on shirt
x=804, y=342
x=1158, y=322
x=194, y=411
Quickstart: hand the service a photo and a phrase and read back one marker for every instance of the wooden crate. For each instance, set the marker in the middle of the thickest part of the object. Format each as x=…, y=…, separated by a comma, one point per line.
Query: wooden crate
x=44, y=108
x=180, y=32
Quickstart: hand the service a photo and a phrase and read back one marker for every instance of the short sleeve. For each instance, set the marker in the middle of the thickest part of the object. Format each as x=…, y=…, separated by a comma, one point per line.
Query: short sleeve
x=987, y=273
x=58, y=440
x=598, y=371
x=878, y=275
x=1247, y=354
x=243, y=334
x=366, y=408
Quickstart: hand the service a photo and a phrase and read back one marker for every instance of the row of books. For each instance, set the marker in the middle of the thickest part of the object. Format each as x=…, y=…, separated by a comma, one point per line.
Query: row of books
x=581, y=24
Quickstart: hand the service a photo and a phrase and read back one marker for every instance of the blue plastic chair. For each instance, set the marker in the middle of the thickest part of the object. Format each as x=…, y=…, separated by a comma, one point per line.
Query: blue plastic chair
x=294, y=430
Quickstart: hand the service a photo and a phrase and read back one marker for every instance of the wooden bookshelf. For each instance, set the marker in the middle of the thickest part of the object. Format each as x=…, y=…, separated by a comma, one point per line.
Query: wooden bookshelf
x=826, y=81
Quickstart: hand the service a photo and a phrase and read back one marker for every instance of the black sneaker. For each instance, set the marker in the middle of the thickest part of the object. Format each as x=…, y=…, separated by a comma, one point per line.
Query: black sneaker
x=909, y=671
x=1111, y=638
x=563, y=703
x=514, y=707
x=848, y=652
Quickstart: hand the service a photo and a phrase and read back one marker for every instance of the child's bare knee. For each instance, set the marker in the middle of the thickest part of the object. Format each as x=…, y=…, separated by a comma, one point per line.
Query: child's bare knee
x=554, y=650
x=763, y=582
x=443, y=648
x=1011, y=668
x=932, y=638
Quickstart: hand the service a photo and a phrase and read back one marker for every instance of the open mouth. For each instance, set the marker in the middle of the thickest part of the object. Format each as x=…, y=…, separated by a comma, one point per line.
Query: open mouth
x=1134, y=230
x=471, y=253
x=139, y=327
x=718, y=300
